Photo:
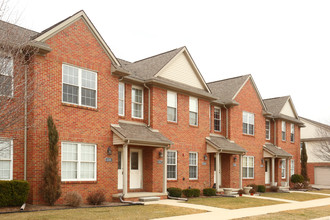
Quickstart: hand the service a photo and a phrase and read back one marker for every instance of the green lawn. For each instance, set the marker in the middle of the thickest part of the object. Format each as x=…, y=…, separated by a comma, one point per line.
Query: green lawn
x=232, y=203
x=123, y=212
x=326, y=191
x=300, y=214
x=294, y=196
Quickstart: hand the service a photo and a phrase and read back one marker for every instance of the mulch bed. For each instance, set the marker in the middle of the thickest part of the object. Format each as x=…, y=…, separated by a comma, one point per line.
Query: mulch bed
x=34, y=208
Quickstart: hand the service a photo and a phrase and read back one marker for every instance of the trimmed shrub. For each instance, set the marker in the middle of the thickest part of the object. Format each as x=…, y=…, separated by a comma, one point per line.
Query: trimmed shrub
x=252, y=191
x=261, y=188
x=174, y=192
x=297, y=178
x=188, y=193
x=196, y=192
x=96, y=197
x=13, y=193
x=254, y=186
x=274, y=189
x=73, y=199
x=240, y=192
x=209, y=192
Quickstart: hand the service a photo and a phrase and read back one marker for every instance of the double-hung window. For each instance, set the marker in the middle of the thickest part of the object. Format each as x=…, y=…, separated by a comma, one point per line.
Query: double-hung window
x=79, y=86
x=193, y=165
x=193, y=111
x=171, y=165
x=283, y=166
x=283, y=131
x=267, y=130
x=292, y=168
x=248, y=123
x=121, y=99
x=78, y=162
x=248, y=167
x=6, y=159
x=292, y=133
x=217, y=119
x=171, y=106
x=6, y=76
x=137, y=102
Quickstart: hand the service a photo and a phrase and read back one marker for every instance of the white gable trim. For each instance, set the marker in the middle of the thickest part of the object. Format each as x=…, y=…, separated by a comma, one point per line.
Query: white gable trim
x=292, y=107
x=80, y=15
x=199, y=75
x=255, y=88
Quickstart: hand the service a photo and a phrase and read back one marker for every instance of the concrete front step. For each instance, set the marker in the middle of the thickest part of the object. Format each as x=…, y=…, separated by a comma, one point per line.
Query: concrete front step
x=149, y=199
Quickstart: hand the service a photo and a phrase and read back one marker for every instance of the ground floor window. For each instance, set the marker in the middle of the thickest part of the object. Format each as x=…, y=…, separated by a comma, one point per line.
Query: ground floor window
x=292, y=167
x=283, y=166
x=78, y=161
x=193, y=165
x=171, y=165
x=6, y=159
x=248, y=167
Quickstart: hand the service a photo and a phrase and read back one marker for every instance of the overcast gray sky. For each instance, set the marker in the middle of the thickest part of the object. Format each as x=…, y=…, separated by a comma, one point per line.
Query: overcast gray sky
x=285, y=45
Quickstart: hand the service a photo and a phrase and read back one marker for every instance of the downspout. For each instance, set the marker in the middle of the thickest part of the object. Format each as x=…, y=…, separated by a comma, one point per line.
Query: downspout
x=274, y=131
x=226, y=121
x=25, y=120
x=148, y=104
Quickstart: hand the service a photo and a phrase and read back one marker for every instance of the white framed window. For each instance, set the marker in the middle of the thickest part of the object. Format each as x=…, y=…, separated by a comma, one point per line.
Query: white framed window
x=79, y=86
x=248, y=167
x=283, y=131
x=217, y=119
x=6, y=159
x=171, y=106
x=6, y=76
x=172, y=165
x=267, y=130
x=248, y=123
x=121, y=99
x=137, y=102
x=292, y=133
x=292, y=167
x=193, y=165
x=193, y=110
x=78, y=162
x=283, y=168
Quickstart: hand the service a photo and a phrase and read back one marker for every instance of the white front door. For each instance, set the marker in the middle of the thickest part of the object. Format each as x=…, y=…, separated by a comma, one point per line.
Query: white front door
x=136, y=169
x=120, y=169
x=267, y=171
x=215, y=169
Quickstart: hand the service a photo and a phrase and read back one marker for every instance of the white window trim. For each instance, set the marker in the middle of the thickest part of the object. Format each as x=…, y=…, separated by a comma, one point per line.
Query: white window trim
x=292, y=167
x=11, y=158
x=268, y=132
x=79, y=162
x=283, y=168
x=292, y=133
x=248, y=128
x=247, y=170
x=123, y=84
x=79, y=86
x=12, y=75
x=217, y=119
x=140, y=88
x=176, y=165
x=195, y=98
x=194, y=166
x=283, y=130
x=176, y=106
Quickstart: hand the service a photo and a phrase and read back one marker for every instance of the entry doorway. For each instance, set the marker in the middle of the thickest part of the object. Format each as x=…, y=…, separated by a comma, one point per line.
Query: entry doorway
x=135, y=169
x=267, y=171
x=215, y=169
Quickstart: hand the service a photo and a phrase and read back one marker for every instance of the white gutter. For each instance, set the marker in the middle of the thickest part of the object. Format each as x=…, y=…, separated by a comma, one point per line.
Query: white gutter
x=25, y=120
x=148, y=104
x=226, y=121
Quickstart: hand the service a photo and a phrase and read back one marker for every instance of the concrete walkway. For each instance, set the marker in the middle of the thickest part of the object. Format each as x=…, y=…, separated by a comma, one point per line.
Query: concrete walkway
x=220, y=213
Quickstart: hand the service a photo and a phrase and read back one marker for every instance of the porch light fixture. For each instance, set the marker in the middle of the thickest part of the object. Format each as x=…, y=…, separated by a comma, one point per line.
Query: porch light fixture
x=160, y=154
x=205, y=157
x=235, y=158
x=109, y=152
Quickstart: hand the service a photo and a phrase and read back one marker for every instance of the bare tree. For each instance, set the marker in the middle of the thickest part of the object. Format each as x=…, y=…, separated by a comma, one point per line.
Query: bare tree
x=323, y=140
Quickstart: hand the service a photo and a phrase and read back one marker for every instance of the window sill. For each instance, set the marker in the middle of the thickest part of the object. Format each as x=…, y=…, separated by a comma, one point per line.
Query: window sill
x=79, y=106
x=193, y=180
x=246, y=178
x=193, y=126
x=172, y=122
x=172, y=180
x=249, y=135
x=79, y=182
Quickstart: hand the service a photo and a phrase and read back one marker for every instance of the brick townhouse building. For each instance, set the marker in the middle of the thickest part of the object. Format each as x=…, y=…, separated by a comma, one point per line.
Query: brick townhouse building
x=128, y=127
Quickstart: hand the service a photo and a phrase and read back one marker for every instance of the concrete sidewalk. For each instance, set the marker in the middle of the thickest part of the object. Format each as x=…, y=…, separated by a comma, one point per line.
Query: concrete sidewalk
x=220, y=213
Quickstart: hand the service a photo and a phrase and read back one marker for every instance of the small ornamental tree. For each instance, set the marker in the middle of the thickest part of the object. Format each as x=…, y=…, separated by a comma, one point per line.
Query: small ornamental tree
x=52, y=181
x=303, y=160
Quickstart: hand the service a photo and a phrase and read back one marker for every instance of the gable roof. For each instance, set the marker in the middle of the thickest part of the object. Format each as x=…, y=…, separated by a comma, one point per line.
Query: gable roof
x=316, y=123
x=54, y=29
x=276, y=151
x=224, y=145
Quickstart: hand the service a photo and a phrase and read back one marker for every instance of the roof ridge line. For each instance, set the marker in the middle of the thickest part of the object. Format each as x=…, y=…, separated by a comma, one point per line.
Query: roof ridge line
x=157, y=55
x=220, y=80
x=277, y=97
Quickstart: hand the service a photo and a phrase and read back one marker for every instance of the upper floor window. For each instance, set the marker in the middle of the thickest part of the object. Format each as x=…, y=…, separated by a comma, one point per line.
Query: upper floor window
x=248, y=123
x=6, y=76
x=283, y=131
x=79, y=86
x=292, y=133
x=121, y=99
x=171, y=106
x=217, y=119
x=193, y=165
x=6, y=159
x=137, y=102
x=267, y=130
x=193, y=111
x=248, y=167
x=171, y=165
x=78, y=161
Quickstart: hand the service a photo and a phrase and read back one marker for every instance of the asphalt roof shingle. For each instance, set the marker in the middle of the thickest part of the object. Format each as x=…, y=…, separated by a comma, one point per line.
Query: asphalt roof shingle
x=275, y=105
x=276, y=151
x=225, y=145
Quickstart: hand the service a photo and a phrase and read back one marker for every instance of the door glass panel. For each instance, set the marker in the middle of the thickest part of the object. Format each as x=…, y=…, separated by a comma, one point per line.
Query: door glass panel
x=134, y=161
x=119, y=160
x=266, y=165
